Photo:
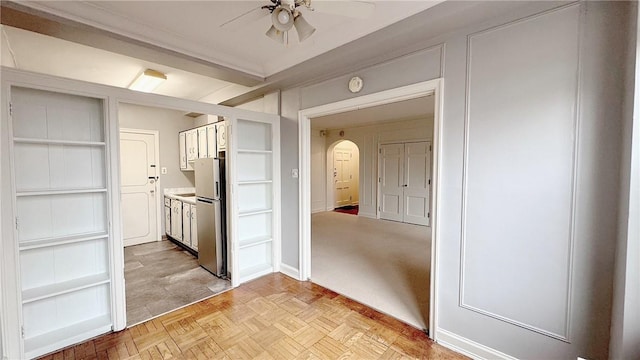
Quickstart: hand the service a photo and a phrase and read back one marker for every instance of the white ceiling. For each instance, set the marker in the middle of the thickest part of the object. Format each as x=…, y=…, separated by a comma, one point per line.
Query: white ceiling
x=193, y=28
x=419, y=108
x=45, y=54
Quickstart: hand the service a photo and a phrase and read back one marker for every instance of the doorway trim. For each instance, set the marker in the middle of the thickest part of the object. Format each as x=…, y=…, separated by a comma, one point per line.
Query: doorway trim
x=159, y=196
x=408, y=92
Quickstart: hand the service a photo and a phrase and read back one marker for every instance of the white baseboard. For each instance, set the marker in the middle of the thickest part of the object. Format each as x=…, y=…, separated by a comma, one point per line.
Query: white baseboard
x=313, y=211
x=290, y=271
x=367, y=215
x=468, y=347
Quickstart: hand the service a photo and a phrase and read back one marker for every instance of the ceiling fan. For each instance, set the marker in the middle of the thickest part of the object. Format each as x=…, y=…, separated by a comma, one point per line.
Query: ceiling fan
x=287, y=14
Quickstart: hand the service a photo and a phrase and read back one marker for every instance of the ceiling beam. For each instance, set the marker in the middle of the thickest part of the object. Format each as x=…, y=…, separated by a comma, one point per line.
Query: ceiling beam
x=22, y=17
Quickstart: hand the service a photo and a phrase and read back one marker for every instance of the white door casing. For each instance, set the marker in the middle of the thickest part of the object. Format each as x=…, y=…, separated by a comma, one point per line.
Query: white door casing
x=139, y=184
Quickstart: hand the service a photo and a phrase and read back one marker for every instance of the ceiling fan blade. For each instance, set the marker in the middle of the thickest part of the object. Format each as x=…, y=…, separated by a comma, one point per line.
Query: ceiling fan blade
x=245, y=19
x=352, y=9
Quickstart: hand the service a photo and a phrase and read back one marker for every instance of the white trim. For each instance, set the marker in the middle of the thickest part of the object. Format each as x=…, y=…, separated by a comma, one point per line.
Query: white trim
x=290, y=271
x=304, y=140
x=468, y=347
x=159, y=196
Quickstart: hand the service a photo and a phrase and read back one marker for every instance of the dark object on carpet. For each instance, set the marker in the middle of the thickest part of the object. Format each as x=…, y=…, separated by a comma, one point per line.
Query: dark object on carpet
x=350, y=209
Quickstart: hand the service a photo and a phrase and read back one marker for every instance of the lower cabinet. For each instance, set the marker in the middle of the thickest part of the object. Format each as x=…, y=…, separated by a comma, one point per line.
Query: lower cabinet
x=194, y=228
x=181, y=222
x=176, y=219
x=186, y=224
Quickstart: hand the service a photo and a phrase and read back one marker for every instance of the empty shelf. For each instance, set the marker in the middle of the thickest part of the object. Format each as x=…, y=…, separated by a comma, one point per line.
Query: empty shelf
x=59, y=338
x=60, y=192
x=47, y=291
x=54, y=241
x=248, y=151
x=255, y=241
x=255, y=212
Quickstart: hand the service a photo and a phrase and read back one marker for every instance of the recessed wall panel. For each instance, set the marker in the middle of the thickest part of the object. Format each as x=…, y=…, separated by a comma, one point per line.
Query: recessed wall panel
x=519, y=168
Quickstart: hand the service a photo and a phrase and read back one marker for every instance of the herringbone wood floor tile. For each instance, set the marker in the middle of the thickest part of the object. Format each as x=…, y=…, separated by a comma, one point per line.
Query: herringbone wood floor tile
x=272, y=318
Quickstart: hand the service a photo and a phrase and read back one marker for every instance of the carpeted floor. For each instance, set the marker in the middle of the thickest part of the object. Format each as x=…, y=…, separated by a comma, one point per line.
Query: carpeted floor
x=383, y=264
x=350, y=209
x=161, y=277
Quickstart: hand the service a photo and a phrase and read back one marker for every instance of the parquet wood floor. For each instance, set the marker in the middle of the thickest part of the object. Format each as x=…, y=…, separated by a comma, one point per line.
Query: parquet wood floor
x=274, y=317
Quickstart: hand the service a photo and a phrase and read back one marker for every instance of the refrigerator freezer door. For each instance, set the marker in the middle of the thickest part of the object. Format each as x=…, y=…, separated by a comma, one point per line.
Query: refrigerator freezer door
x=207, y=174
x=210, y=249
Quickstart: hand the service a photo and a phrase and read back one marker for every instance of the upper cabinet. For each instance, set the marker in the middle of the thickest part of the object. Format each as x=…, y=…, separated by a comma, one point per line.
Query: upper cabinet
x=201, y=142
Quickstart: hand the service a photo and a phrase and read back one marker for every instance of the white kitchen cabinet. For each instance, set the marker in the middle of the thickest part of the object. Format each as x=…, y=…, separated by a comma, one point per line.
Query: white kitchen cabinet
x=192, y=145
x=176, y=219
x=182, y=143
x=212, y=150
x=221, y=132
x=186, y=224
x=202, y=142
x=194, y=228
x=167, y=216
x=61, y=201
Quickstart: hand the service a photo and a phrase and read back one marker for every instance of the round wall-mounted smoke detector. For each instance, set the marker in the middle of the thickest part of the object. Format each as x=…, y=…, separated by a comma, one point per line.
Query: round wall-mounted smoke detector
x=355, y=84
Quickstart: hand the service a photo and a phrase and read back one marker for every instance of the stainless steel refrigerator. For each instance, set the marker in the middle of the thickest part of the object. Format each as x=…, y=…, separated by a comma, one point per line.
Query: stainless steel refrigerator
x=212, y=243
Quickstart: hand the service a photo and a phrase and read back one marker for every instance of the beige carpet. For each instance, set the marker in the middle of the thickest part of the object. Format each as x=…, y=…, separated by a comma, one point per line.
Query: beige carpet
x=383, y=264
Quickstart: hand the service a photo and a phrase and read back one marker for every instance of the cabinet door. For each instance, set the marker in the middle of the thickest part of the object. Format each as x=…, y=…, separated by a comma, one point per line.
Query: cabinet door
x=212, y=150
x=186, y=224
x=202, y=142
x=194, y=228
x=183, y=150
x=167, y=220
x=176, y=219
x=192, y=145
x=221, y=131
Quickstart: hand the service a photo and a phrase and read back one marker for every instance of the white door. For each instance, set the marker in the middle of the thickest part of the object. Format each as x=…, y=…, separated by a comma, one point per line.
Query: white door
x=138, y=187
x=194, y=228
x=417, y=165
x=202, y=142
x=176, y=219
x=342, y=176
x=192, y=145
x=405, y=182
x=391, y=182
x=212, y=150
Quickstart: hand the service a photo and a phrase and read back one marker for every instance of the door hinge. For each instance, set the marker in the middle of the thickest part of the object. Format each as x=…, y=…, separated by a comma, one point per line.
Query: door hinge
x=429, y=181
x=22, y=331
x=16, y=223
x=428, y=215
x=429, y=147
x=10, y=109
x=379, y=179
x=379, y=151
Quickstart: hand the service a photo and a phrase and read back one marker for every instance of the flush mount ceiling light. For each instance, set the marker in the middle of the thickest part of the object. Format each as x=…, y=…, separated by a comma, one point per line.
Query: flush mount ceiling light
x=286, y=14
x=148, y=81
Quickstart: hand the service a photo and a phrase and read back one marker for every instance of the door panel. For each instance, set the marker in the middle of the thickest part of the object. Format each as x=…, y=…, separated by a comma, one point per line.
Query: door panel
x=138, y=191
x=343, y=178
x=417, y=161
x=391, y=181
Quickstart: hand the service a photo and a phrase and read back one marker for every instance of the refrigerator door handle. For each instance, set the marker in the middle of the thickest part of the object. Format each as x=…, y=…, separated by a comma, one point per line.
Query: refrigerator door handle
x=207, y=201
x=217, y=189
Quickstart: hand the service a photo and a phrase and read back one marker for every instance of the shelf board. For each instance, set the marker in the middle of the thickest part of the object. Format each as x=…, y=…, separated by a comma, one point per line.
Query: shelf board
x=255, y=241
x=59, y=338
x=58, y=142
x=60, y=192
x=247, y=151
x=47, y=291
x=254, y=212
x=55, y=241
x=252, y=182
x=255, y=272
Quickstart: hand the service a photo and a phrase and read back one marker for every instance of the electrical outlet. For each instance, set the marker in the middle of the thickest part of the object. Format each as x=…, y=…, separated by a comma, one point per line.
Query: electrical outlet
x=163, y=171
x=294, y=173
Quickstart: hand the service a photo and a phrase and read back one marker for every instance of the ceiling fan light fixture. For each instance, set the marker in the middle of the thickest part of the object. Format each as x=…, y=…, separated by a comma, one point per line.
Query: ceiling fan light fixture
x=303, y=28
x=275, y=34
x=282, y=19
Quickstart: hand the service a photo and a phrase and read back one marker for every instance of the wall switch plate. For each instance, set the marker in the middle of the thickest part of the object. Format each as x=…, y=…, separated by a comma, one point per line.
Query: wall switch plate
x=294, y=173
x=163, y=171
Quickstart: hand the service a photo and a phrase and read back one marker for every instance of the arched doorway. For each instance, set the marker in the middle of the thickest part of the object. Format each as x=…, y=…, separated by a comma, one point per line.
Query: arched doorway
x=343, y=176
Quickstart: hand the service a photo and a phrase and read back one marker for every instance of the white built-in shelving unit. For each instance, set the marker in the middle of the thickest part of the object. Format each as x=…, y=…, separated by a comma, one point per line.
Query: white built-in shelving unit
x=62, y=227
x=255, y=197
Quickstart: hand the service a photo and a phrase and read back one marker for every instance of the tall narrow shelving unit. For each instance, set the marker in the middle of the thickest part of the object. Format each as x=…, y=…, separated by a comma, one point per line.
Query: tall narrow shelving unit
x=62, y=227
x=255, y=198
